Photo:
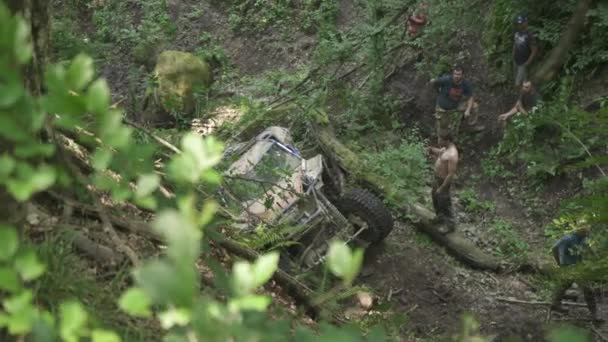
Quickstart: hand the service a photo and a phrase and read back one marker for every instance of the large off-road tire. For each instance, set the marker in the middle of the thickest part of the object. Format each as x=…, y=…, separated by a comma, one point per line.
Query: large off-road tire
x=360, y=207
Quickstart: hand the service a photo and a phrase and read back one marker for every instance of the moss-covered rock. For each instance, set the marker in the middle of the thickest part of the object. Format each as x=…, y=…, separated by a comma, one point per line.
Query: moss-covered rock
x=178, y=76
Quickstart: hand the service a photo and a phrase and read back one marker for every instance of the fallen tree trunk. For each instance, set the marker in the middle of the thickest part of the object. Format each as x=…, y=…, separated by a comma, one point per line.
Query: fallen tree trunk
x=422, y=219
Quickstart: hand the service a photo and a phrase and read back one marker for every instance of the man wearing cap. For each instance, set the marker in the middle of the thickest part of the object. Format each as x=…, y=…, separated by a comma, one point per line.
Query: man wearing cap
x=524, y=49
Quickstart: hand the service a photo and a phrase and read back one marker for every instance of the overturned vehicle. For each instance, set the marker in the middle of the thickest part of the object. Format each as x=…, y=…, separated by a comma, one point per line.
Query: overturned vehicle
x=278, y=198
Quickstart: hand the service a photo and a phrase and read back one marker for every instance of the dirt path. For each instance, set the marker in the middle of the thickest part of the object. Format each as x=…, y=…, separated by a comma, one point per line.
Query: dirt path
x=435, y=290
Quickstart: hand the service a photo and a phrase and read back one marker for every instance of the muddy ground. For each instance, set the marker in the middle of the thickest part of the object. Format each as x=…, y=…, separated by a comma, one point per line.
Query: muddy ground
x=420, y=277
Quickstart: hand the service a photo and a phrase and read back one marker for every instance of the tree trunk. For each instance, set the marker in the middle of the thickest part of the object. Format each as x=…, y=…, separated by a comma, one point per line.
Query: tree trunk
x=569, y=36
x=37, y=14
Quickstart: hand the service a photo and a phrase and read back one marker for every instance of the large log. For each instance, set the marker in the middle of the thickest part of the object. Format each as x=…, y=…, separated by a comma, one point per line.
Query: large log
x=454, y=242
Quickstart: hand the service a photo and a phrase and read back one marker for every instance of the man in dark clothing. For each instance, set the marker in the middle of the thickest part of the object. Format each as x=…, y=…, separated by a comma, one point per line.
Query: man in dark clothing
x=455, y=97
x=524, y=49
x=567, y=251
x=527, y=100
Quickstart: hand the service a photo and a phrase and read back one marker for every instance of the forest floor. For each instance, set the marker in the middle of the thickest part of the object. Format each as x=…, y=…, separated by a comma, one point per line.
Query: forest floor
x=408, y=271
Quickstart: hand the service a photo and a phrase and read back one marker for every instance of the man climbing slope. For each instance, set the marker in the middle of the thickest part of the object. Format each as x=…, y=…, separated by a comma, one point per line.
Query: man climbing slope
x=567, y=251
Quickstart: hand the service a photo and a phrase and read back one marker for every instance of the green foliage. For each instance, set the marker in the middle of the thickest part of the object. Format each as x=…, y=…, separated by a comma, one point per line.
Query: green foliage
x=450, y=22
x=470, y=199
x=511, y=245
x=258, y=15
x=343, y=263
x=405, y=165
x=554, y=139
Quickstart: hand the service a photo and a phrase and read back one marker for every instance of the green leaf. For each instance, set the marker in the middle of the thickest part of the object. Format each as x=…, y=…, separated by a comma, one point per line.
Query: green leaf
x=165, y=283
x=73, y=320
x=98, y=97
x=243, y=279
x=209, y=209
x=10, y=93
x=264, y=267
x=18, y=302
x=146, y=184
x=21, y=321
x=9, y=242
x=211, y=176
x=174, y=317
x=10, y=129
x=135, y=302
x=23, y=47
x=339, y=259
x=148, y=202
x=101, y=159
x=250, y=303
x=9, y=280
x=34, y=149
x=99, y=335
x=29, y=266
x=207, y=152
x=7, y=165
x=80, y=72
x=182, y=236
x=31, y=181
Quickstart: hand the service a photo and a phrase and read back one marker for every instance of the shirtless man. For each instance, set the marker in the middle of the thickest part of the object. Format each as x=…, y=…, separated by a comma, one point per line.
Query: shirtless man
x=445, y=170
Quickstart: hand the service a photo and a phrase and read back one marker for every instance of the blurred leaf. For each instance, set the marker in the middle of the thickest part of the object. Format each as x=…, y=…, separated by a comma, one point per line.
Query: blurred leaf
x=31, y=181
x=10, y=129
x=34, y=149
x=101, y=159
x=167, y=284
x=135, y=302
x=104, y=336
x=80, y=72
x=250, y=303
x=9, y=242
x=29, y=266
x=7, y=165
x=243, y=279
x=264, y=267
x=174, y=317
x=10, y=93
x=339, y=259
x=182, y=236
x=73, y=320
x=209, y=209
x=23, y=47
x=146, y=184
x=22, y=313
x=9, y=280
x=98, y=97
x=18, y=302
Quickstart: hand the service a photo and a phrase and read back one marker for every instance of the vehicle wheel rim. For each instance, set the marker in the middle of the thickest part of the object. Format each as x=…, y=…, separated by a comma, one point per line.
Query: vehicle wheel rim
x=357, y=222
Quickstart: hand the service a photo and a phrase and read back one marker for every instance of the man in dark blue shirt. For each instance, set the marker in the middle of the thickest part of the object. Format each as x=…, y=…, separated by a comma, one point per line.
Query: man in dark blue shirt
x=567, y=251
x=455, y=97
x=524, y=49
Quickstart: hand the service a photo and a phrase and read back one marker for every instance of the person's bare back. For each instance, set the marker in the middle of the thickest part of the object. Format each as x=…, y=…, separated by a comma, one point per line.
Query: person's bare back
x=446, y=162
